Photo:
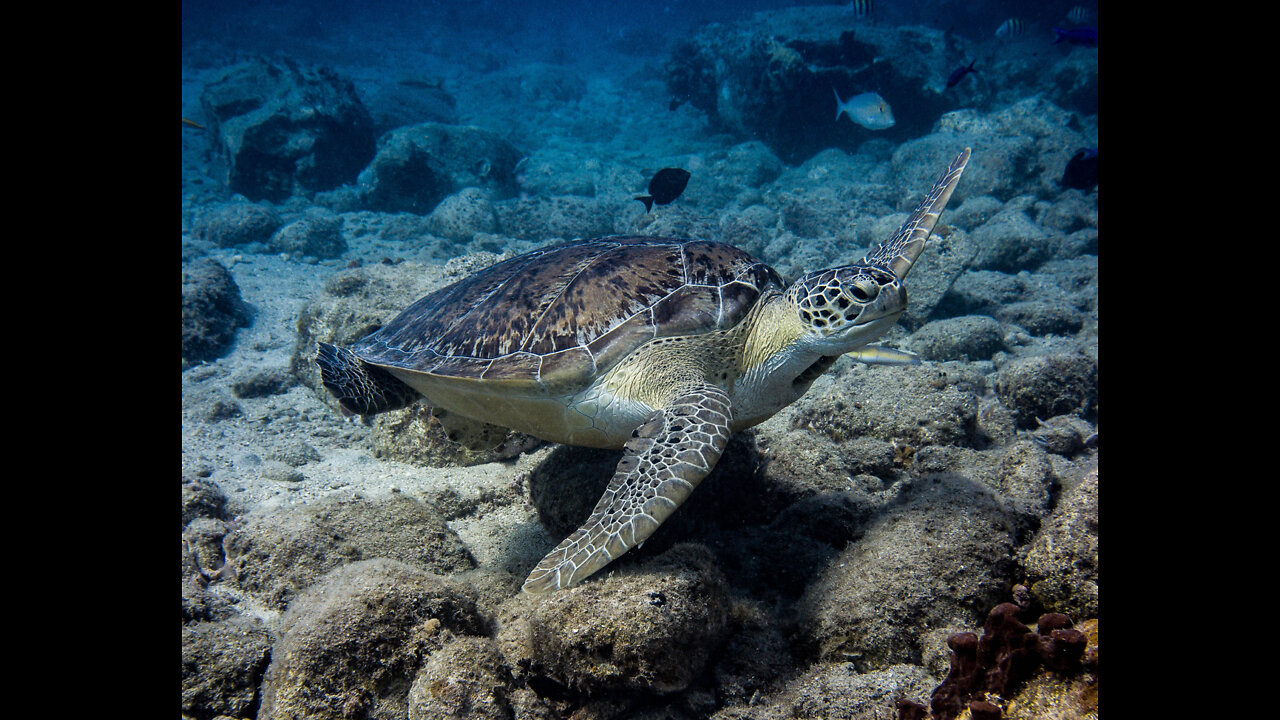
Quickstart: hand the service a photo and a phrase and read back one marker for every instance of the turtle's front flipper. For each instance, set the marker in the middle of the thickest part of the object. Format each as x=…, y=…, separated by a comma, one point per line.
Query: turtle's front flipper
x=663, y=462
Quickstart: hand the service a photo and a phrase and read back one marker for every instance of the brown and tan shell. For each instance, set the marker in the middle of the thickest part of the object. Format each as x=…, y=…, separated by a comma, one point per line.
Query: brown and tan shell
x=562, y=315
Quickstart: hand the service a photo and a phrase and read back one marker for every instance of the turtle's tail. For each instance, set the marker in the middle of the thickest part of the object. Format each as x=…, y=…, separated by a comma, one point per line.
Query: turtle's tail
x=361, y=388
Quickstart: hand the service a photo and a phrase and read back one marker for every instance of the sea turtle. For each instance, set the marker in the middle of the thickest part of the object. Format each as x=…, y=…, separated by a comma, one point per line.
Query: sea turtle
x=661, y=347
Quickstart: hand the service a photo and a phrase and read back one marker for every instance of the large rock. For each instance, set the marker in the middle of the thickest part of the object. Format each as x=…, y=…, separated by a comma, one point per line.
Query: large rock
x=771, y=77
x=281, y=129
x=278, y=553
x=418, y=166
x=1042, y=386
x=222, y=664
x=212, y=311
x=938, y=558
x=235, y=223
x=1016, y=150
x=1062, y=564
x=352, y=645
x=649, y=628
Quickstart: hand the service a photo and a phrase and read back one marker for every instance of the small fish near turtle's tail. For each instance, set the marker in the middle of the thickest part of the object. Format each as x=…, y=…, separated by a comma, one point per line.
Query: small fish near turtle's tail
x=647, y=200
x=361, y=388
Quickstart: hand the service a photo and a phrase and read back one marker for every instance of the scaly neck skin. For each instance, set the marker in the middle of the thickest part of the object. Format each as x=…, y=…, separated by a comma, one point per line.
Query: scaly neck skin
x=781, y=356
x=774, y=353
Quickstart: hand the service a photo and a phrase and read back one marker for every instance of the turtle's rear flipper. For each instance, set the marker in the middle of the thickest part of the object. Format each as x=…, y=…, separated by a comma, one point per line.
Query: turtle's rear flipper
x=361, y=388
x=664, y=461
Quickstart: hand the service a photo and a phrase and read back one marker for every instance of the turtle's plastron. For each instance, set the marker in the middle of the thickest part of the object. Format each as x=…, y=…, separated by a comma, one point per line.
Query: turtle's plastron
x=361, y=388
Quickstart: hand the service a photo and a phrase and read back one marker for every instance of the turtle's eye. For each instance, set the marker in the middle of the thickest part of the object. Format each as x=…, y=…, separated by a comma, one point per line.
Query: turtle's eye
x=863, y=289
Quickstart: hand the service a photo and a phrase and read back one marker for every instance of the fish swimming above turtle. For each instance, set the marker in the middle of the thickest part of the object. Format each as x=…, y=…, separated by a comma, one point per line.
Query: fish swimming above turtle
x=660, y=347
x=667, y=185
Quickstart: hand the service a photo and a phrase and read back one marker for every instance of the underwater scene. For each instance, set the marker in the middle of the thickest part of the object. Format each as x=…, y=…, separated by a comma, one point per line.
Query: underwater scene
x=651, y=361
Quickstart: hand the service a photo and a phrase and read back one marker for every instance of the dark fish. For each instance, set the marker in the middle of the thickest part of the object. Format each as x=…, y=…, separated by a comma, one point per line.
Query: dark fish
x=862, y=8
x=665, y=186
x=1083, y=36
x=958, y=74
x=1082, y=170
x=677, y=102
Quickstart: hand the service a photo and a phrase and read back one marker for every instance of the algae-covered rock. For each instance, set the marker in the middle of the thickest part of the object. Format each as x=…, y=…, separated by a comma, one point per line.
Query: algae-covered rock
x=939, y=557
x=212, y=311
x=413, y=435
x=969, y=337
x=1018, y=148
x=467, y=679
x=916, y=405
x=1020, y=472
x=278, y=553
x=201, y=497
x=652, y=627
x=1062, y=565
x=222, y=665
x=352, y=645
x=318, y=233
x=1042, y=386
x=463, y=214
x=235, y=223
x=836, y=690
x=418, y=166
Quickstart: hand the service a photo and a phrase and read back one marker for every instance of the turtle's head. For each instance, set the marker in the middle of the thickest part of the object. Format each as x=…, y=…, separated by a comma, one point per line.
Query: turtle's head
x=847, y=307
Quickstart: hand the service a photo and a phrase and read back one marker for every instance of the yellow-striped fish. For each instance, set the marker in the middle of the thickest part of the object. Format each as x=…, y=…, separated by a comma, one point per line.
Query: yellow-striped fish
x=878, y=355
x=1080, y=15
x=861, y=8
x=1010, y=28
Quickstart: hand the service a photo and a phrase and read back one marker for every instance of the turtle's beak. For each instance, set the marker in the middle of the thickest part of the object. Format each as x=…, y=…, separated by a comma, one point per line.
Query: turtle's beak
x=899, y=253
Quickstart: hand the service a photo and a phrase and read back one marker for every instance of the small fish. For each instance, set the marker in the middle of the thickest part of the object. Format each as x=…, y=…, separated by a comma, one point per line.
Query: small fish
x=1010, y=29
x=1082, y=36
x=878, y=355
x=666, y=186
x=677, y=101
x=1080, y=15
x=1082, y=170
x=868, y=110
x=420, y=83
x=862, y=8
x=192, y=123
x=958, y=74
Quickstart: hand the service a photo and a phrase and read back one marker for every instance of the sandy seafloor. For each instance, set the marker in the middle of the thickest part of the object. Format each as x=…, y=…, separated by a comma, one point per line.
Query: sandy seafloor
x=298, y=490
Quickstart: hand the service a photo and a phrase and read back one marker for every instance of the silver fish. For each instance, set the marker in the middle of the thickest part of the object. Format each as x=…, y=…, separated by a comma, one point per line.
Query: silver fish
x=868, y=110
